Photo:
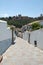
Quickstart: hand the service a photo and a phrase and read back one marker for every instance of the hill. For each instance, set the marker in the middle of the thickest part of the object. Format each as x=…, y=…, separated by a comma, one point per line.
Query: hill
x=20, y=20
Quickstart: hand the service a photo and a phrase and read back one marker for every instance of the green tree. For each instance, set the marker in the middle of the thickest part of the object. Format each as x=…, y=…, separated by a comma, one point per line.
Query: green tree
x=36, y=26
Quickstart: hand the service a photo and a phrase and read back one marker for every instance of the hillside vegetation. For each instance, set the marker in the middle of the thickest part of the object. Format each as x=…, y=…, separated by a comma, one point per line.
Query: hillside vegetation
x=20, y=20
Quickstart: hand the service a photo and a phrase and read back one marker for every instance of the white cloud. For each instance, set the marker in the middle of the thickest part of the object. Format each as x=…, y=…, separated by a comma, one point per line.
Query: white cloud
x=4, y=15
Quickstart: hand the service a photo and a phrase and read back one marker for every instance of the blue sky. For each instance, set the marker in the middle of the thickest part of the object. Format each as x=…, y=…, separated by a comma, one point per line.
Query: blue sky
x=31, y=8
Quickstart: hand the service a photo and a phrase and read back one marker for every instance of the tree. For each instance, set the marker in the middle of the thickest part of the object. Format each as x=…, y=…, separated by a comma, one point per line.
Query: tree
x=12, y=28
x=10, y=18
x=36, y=26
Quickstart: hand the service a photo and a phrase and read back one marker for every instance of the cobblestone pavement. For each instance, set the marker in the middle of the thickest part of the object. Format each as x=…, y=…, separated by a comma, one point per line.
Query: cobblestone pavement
x=22, y=53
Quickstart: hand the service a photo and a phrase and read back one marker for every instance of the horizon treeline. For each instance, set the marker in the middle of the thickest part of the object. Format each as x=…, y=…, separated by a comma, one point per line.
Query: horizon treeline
x=20, y=20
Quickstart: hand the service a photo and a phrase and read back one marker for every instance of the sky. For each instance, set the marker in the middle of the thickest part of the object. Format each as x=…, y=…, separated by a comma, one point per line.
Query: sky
x=31, y=8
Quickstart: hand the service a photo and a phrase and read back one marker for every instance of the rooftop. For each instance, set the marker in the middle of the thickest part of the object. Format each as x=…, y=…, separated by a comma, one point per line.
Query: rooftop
x=22, y=53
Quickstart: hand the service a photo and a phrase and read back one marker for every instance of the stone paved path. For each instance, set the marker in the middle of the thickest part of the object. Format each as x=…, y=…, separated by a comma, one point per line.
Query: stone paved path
x=22, y=53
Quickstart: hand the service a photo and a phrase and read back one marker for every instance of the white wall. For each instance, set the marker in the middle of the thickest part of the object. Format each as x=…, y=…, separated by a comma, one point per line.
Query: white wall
x=38, y=36
x=34, y=36
x=5, y=37
x=41, y=22
x=3, y=25
x=4, y=45
x=4, y=32
x=26, y=35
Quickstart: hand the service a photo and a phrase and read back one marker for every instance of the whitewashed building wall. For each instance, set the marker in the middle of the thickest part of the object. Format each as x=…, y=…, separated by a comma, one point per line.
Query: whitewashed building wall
x=37, y=36
x=41, y=22
x=5, y=33
x=5, y=37
x=26, y=35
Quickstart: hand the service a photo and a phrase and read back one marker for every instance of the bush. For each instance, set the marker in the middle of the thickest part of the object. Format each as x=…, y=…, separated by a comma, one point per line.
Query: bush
x=36, y=26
